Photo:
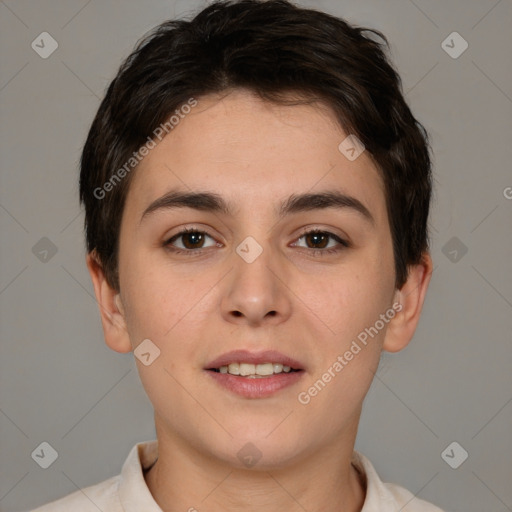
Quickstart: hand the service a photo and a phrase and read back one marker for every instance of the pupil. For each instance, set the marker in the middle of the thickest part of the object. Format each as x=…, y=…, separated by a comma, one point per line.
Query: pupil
x=315, y=236
x=196, y=237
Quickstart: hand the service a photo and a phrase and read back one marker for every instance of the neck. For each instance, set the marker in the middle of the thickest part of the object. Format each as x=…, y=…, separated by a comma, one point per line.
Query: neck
x=184, y=479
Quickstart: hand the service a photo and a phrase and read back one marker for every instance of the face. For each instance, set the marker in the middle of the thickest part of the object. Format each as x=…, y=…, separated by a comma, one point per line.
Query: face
x=256, y=277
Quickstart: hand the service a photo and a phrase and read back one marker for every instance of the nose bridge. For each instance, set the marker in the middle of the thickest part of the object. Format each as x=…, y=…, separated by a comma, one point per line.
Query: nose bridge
x=255, y=290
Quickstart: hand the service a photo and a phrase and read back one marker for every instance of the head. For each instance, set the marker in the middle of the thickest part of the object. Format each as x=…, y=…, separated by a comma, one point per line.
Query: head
x=238, y=112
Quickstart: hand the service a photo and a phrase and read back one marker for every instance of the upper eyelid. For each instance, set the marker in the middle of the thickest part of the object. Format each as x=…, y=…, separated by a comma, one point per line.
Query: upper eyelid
x=187, y=230
x=303, y=233
x=340, y=239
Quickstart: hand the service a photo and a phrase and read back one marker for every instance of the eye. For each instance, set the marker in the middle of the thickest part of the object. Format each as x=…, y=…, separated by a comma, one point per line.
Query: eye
x=192, y=241
x=320, y=238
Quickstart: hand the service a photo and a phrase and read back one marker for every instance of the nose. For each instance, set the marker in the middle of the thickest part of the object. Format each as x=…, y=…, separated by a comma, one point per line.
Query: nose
x=256, y=292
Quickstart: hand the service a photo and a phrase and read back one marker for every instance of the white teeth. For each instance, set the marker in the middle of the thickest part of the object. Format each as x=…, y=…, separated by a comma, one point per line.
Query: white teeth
x=264, y=369
x=234, y=369
x=278, y=367
x=254, y=370
x=247, y=369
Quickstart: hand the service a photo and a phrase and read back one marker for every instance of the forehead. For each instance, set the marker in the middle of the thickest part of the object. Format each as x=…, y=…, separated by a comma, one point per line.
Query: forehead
x=246, y=149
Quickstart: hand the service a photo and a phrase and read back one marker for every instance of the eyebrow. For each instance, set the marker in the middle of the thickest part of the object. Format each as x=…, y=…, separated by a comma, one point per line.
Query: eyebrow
x=296, y=203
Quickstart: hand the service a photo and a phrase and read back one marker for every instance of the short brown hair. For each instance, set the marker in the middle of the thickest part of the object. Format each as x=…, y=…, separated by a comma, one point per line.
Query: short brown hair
x=273, y=48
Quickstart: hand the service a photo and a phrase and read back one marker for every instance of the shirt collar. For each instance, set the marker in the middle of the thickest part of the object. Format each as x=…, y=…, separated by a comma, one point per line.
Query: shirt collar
x=136, y=496
x=378, y=496
x=134, y=493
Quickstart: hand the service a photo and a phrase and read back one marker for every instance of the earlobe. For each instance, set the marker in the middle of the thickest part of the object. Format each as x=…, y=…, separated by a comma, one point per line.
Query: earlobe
x=411, y=298
x=111, y=311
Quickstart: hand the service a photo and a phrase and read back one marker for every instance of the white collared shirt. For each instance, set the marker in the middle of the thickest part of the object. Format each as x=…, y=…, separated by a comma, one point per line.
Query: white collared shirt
x=128, y=491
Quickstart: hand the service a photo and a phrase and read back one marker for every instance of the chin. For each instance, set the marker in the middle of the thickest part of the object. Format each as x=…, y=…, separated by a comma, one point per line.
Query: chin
x=259, y=451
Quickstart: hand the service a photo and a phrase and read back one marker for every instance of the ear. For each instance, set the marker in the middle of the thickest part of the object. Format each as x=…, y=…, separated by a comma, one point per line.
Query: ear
x=111, y=310
x=411, y=297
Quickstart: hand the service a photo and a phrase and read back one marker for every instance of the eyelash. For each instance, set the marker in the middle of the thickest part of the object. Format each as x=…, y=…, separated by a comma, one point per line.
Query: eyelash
x=343, y=244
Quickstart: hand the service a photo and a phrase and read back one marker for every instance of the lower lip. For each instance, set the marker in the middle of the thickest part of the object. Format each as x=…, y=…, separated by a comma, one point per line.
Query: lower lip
x=256, y=388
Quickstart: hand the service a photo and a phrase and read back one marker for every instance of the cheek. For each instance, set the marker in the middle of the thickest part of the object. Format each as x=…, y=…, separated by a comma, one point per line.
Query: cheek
x=352, y=306
x=160, y=305
x=170, y=308
x=157, y=294
x=348, y=354
x=354, y=301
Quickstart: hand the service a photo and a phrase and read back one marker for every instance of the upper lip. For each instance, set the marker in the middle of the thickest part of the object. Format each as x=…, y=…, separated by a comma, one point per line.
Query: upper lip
x=246, y=356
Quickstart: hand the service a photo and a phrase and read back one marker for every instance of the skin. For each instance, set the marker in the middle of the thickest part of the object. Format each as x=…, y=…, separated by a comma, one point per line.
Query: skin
x=195, y=308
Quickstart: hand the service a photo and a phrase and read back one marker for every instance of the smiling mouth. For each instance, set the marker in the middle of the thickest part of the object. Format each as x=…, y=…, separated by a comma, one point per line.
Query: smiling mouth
x=254, y=371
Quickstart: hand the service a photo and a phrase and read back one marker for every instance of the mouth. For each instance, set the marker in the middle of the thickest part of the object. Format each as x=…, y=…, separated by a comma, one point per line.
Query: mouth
x=254, y=375
x=254, y=371
x=245, y=363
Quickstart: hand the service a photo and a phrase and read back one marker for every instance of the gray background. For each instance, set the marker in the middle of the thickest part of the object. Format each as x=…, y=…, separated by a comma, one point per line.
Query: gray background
x=61, y=384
